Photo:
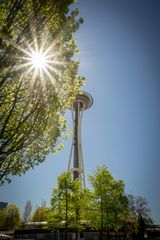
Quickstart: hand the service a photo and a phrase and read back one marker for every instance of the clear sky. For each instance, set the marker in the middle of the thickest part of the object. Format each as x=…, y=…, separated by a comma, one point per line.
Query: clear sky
x=119, y=46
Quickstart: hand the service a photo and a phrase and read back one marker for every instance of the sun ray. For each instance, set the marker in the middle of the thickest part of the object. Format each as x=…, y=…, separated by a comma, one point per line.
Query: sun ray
x=33, y=79
x=54, y=42
x=19, y=66
x=53, y=81
x=53, y=55
x=42, y=81
x=54, y=62
x=53, y=69
x=28, y=71
x=61, y=34
x=34, y=36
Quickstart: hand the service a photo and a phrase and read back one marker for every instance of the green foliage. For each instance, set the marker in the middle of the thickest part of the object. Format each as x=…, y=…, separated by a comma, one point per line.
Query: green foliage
x=10, y=217
x=130, y=223
x=2, y=218
x=39, y=214
x=66, y=203
x=109, y=201
x=102, y=208
x=32, y=106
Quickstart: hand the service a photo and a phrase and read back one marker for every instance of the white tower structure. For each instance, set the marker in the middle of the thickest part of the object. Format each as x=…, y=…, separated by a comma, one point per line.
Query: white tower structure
x=76, y=165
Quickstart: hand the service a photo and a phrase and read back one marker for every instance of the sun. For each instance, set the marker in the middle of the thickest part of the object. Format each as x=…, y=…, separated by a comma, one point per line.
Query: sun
x=41, y=62
x=38, y=60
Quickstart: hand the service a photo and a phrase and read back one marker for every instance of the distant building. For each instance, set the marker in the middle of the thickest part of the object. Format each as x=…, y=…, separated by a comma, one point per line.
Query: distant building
x=3, y=205
x=35, y=225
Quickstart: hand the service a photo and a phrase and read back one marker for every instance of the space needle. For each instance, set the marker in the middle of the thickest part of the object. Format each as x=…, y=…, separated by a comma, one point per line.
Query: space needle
x=82, y=102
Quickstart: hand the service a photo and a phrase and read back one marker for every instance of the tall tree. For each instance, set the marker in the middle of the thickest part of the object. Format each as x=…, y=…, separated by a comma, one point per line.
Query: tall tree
x=27, y=211
x=34, y=100
x=102, y=208
x=139, y=211
x=66, y=203
x=39, y=215
x=139, y=207
x=110, y=202
x=10, y=217
x=2, y=217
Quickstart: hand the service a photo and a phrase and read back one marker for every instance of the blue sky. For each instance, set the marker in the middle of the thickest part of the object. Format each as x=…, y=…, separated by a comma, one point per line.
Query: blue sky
x=119, y=46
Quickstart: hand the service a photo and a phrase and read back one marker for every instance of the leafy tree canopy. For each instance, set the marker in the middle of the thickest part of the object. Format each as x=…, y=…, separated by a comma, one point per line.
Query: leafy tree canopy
x=39, y=214
x=110, y=203
x=100, y=208
x=10, y=217
x=34, y=100
x=66, y=203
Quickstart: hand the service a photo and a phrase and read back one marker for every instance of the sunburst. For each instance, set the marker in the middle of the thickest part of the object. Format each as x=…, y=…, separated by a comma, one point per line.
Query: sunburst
x=39, y=61
x=39, y=57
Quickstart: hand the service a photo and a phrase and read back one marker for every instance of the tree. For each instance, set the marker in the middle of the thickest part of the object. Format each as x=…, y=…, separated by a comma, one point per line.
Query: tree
x=109, y=201
x=139, y=207
x=139, y=214
x=2, y=217
x=33, y=101
x=27, y=211
x=10, y=217
x=102, y=208
x=66, y=203
x=39, y=214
